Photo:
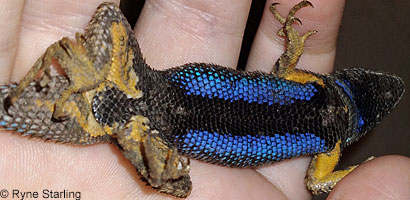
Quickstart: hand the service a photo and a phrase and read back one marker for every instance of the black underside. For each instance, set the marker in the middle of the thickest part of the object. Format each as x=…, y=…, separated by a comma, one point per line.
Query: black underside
x=322, y=116
x=174, y=113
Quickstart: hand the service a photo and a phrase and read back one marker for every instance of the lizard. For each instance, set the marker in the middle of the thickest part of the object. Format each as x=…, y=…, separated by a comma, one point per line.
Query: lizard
x=198, y=110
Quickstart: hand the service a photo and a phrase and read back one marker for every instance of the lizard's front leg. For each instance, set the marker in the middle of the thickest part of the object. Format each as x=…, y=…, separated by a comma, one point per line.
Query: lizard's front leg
x=321, y=176
x=294, y=42
x=285, y=65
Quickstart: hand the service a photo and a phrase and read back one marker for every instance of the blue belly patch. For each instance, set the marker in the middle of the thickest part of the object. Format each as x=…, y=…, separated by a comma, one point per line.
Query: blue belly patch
x=221, y=83
x=248, y=150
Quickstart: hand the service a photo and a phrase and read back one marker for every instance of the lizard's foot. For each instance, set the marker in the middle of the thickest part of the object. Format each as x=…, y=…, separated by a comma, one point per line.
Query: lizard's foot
x=321, y=176
x=102, y=53
x=159, y=165
x=290, y=17
x=59, y=113
x=295, y=42
x=39, y=65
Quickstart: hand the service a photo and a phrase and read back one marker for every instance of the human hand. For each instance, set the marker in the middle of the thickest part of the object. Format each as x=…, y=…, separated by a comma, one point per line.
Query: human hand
x=172, y=33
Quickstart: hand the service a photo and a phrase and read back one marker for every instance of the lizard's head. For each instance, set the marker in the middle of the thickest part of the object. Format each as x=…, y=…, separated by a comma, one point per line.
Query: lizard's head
x=374, y=95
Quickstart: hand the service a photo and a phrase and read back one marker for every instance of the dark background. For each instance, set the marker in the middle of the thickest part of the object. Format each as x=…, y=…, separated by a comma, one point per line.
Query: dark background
x=374, y=34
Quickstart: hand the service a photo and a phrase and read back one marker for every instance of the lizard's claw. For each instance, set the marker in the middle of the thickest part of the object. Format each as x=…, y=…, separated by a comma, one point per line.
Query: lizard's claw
x=294, y=19
x=8, y=102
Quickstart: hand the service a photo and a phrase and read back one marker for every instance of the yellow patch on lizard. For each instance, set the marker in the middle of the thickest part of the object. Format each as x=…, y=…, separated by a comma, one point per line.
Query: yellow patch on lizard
x=139, y=126
x=321, y=176
x=141, y=133
x=302, y=77
x=121, y=73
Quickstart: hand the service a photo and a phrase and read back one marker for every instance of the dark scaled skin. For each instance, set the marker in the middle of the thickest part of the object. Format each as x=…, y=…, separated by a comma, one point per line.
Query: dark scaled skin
x=203, y=111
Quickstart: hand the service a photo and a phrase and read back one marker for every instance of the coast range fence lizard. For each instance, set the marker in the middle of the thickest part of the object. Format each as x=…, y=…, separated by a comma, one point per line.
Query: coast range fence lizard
x=198, y=110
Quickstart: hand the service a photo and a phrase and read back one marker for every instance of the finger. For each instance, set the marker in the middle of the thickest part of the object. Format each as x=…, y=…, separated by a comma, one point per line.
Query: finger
x=93, y=171
x=172, y=33
x=216, y=182
x=288, y=176
x=320, y=48
x=45, y=22
x=10, y=14
x=387, y=177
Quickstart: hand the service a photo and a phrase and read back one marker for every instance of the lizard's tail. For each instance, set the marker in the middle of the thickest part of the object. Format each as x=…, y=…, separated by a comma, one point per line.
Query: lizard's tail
x=31, y=114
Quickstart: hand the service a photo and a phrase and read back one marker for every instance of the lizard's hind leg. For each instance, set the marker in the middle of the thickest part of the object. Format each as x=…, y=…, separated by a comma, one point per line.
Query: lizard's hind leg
x=158, y=164
x=42, y=63
x=88, y=59
x=72, y=56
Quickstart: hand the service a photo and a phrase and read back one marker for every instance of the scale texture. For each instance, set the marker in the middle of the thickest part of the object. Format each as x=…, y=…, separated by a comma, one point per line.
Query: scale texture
x=198, y=110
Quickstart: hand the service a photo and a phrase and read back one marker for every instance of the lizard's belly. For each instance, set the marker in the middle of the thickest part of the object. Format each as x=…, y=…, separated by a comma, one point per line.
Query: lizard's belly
x=242, y=120
x=236, y=119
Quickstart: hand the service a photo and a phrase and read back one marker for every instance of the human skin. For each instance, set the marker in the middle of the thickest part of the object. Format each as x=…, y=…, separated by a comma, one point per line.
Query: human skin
x=172, y=33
